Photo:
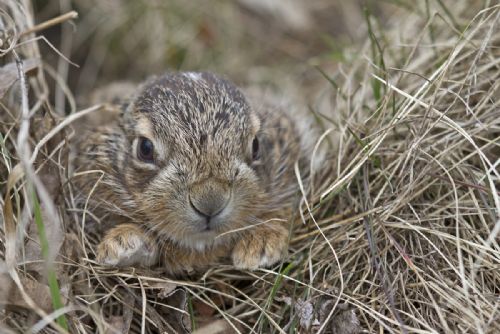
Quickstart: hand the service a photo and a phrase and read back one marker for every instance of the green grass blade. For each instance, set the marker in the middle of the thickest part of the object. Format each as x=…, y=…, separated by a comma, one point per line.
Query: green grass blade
x=51, y=275
x=274, y=290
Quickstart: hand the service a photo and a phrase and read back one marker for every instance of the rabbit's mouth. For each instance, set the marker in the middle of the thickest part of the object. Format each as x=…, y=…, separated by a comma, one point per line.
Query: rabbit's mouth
x=211, y=226
x=204, y=239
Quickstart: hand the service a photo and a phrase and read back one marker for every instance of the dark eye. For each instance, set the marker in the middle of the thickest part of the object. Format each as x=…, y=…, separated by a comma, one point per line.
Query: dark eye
x=145, y=150
x=255, y=149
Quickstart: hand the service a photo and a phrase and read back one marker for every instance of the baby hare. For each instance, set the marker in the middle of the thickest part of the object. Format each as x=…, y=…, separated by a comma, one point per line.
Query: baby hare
x=193, y=176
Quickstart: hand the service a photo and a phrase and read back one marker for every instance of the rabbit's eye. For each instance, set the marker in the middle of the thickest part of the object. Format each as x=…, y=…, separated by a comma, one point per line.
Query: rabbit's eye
x=255, y=149
x=145, y=150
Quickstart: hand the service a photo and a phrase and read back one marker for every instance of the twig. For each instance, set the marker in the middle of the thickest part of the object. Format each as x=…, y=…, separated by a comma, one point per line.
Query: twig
x=49, y=23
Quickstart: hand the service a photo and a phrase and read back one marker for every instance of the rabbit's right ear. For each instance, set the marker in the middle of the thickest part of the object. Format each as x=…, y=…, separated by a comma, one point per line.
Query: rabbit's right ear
x=114, y=93
x=114, y=98
x=107, y=116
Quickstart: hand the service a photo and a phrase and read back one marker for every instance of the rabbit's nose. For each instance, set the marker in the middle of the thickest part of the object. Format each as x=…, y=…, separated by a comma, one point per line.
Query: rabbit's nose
x=209, y=198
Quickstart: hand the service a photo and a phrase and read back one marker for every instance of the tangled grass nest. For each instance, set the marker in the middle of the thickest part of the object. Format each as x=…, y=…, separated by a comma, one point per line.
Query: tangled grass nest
x=399, y=232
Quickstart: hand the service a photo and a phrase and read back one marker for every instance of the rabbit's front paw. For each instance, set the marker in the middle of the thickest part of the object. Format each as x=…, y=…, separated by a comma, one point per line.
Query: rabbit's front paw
x=127, y=245
x=261, y=248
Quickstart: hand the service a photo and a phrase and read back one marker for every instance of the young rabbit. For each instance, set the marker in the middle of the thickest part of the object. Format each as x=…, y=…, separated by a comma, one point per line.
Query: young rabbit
x=193, y=175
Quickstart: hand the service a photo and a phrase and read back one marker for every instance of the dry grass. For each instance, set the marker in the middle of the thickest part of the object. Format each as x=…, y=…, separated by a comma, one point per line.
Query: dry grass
x=400, y=231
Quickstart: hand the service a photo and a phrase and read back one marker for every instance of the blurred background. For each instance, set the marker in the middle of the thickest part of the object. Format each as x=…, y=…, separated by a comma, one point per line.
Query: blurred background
x=272, y=42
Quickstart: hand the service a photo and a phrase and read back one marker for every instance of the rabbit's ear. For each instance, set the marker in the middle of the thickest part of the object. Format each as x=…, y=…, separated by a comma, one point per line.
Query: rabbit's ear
x=108, y=116
x=117, y=93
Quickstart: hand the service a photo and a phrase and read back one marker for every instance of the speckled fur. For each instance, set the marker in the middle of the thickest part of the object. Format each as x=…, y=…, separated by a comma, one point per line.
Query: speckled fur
x=202, y=128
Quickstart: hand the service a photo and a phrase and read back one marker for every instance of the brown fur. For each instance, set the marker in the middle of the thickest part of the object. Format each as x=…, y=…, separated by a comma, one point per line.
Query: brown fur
x=202, y=129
